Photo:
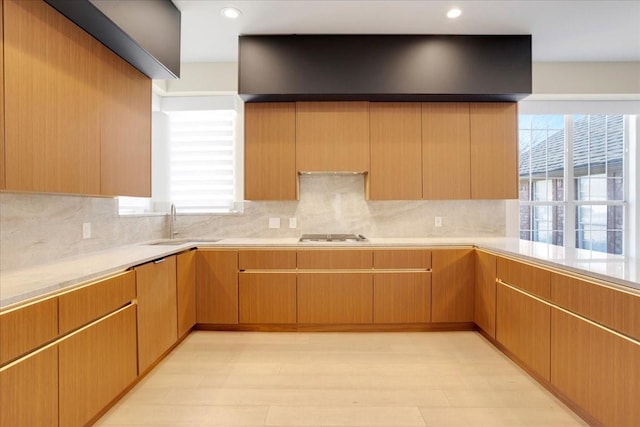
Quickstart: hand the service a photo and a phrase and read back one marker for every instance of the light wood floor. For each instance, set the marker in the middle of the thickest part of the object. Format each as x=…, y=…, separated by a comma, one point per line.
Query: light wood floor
x=338, y=379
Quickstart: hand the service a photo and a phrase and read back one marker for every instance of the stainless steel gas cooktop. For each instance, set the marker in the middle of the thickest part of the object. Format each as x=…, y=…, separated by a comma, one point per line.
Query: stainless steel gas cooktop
x=333, y=238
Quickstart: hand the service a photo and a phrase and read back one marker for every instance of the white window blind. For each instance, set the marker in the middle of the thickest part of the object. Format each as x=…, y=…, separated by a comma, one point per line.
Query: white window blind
x=201, y=152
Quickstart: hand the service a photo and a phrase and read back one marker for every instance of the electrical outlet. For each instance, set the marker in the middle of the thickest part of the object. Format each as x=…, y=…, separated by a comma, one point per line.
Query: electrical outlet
x=274, y=222
x=438, y=222
x=86, y=230
x=293, y=223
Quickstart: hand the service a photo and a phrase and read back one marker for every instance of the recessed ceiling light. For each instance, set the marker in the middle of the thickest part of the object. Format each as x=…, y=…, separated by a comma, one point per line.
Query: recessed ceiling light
x=230, y=12
x=454, y=13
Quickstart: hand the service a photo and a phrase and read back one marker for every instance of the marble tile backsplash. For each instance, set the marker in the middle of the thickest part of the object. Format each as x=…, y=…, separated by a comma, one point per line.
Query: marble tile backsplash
x=37, y=228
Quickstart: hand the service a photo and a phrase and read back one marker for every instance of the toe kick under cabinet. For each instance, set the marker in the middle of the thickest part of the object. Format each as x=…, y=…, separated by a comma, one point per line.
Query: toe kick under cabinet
x=329, y=288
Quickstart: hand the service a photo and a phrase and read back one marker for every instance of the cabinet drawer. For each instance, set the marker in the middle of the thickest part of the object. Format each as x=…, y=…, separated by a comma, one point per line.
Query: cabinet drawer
x=266, y=259
x=335, y=259
x=616, y=309
x=81, y=306
x=524, y=276
x=402, y=258
x=26, y=328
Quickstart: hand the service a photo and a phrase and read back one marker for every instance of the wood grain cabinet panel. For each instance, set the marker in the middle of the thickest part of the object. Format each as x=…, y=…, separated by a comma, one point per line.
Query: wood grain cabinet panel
x=523, y=326
x=402, y=258
x=494, y=150
x=29, y=390
x=485, y=293
x=25, y=328
x=446, y=151
x=51, y=101
x=452, y=285
x=334, y=259
x=267, y=298
x=332, y=136
x=402, y=297
x=217, y=286
x=186, y=291
x=613, y=308
x=335, y=298
x=396, y=151
x=157, y=310
x=125, y=127
x=270, y=151
x=524, y=276
x=97, y=363
x=84, y=305
x=2, y=173
x=266, y=259
x=626, y=374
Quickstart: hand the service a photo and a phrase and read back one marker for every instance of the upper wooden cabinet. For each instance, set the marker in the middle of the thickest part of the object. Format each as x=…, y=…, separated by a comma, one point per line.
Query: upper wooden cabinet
x=270, y=151
x=125, y=127
x=494, y=150
x=332, y=136
x=446, y=151
x=396, y=151
x=77, y=117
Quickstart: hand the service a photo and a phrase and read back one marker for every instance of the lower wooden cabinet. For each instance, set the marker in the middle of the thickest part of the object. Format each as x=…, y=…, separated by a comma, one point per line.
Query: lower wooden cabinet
x=267, y=298
x=523, y=326
x=29, y=390
x=97, y=363
x=402, y=297
x=452, y=285
x=335, y=298
x=186, y=291
x=157, y=312
x=217, y=286
x=484, y=313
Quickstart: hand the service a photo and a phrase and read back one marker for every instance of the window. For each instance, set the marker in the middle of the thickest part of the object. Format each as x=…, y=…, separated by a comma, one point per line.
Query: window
x=572, y=189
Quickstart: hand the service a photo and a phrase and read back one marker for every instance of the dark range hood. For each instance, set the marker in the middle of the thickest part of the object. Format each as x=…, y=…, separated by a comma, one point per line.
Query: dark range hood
x=384, y=67
x=145, y=33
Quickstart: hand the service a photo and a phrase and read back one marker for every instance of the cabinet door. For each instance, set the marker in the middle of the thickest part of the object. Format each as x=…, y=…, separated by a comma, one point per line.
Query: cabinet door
x=485, y=293
x=446, y=151
x=29, y=390
x=267, y=297
x=396, y=151
x=157, y=312
x=125, y=127
x=51, y=101
x=332, y=136
x=270, y=151
x=217, y=286
x=452, y=285
x=494, y=150
x=402, y=297
x=186, y=291
x=96, y=365
x=2, y=173
x=523, y=326
x=335, y=298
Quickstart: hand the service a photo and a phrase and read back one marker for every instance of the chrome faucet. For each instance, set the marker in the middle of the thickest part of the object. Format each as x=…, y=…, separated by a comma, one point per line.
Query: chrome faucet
x=172, y=221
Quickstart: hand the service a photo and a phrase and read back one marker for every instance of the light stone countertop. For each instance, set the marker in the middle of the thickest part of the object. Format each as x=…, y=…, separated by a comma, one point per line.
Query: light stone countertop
x=18, y=286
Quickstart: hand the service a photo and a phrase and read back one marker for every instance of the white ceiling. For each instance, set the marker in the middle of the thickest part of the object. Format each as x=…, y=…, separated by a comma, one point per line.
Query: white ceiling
x=601, y=31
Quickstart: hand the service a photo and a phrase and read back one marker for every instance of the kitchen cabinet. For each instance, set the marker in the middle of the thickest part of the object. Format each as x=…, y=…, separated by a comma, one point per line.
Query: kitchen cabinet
x=186, y=291
x=2, y=173
x=396, y=151
x=157, y=310
x=523, y=327
x=452, y=286
x=527, y=277
x=270, y=151
x=494, y=150
x=402, y=295
x=267, y=294
x=28, y=327
x=217, y=286
x=335, y=259
x=51, y=101
x=446, y=151
x=125, y=127
x=96, y=364
x=29, y=390
x=332, y=136
x=484, y=314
